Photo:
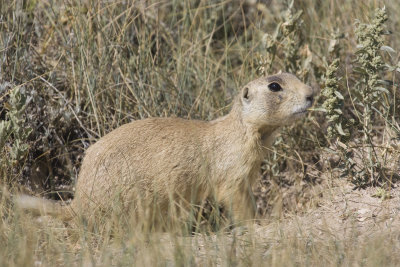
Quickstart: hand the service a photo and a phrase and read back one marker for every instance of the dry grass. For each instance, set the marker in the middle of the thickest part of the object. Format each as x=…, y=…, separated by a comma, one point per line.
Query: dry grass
x=71, y=71
x=350, y=229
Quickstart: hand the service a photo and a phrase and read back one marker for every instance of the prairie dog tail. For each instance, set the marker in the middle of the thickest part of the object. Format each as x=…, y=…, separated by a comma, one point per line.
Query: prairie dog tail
x=39, y=207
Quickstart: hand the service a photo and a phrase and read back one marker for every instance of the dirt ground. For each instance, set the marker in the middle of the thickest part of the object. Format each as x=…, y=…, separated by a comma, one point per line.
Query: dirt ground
x=343, y=212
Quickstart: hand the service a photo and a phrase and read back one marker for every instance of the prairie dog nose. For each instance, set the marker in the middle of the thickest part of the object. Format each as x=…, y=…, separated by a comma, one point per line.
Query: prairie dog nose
x=309, y=94
x=310, y=98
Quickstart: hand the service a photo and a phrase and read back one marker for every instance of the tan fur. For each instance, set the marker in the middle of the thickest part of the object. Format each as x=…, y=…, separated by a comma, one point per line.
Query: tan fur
x=155, y=162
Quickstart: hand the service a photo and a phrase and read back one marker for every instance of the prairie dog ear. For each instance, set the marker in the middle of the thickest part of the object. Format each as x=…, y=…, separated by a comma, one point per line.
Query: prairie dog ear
x=246, y=94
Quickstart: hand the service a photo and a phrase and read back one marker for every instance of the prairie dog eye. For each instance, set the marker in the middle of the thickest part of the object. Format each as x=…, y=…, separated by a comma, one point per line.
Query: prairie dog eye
x=275, y=87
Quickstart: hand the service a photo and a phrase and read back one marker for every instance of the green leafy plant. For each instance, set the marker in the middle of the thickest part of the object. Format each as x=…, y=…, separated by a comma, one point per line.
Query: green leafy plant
x=13, y=130
x=333, y=104
x=369, y=101
x=369, y=90
x=286, y=42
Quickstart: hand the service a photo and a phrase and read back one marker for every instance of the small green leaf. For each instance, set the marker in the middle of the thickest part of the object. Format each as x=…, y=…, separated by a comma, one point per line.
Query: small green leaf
x=383, y=89
x=340, y=130
x=338, y=111
x=385, y=82
x=339, y=95
x=387, y=49
x=4, y=132
x=359, y=70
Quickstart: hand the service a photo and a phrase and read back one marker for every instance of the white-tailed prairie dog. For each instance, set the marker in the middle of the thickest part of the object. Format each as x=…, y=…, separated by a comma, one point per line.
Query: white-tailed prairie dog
x=150, y=166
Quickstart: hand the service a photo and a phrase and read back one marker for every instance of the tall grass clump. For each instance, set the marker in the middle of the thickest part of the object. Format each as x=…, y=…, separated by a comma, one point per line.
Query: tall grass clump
x=95, y=66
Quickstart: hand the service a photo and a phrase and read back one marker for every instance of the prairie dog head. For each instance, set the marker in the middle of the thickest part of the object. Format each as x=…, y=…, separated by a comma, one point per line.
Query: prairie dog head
x=275, y=100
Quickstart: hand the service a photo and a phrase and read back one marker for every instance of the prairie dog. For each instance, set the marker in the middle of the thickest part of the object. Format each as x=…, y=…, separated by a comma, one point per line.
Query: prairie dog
x=159, y=163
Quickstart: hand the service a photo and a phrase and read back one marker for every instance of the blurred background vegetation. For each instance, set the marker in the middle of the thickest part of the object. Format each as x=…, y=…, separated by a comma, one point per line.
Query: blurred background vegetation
x=71, y=71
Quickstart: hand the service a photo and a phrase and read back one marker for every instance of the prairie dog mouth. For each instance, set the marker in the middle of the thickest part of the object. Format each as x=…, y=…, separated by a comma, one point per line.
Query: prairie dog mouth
x=301, y=111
